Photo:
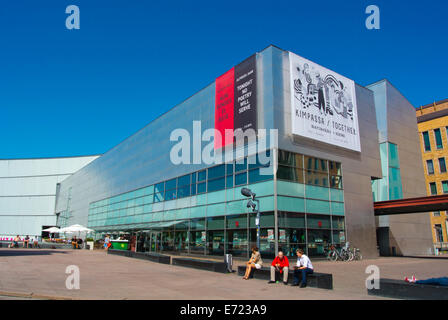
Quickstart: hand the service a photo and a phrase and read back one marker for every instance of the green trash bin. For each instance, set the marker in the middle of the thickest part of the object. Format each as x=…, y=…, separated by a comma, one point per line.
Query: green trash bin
x=120, y=244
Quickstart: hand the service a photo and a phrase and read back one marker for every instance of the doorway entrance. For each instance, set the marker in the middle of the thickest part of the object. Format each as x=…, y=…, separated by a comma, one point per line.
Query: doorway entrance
x=155, y=240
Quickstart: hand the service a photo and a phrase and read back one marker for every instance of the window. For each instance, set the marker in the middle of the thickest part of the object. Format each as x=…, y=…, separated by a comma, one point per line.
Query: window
x=193, y=183
x=290, y=174
x=216, y=178
x=229, y=175
x=183, y=186
x=436, y=213
x=159, y=190
x=170, y=189
x=426, y=141
x=442, y=165
x=445, y=186
x=439, y=232
x=430, y=166
x=316, y=171
x=202, y=176
x=290, y=159
x=240, y=179
x=438, y=136
x=433, y=188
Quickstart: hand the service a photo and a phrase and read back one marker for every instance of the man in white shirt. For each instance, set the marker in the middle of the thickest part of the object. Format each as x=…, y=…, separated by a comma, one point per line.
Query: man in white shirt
x=302, y=269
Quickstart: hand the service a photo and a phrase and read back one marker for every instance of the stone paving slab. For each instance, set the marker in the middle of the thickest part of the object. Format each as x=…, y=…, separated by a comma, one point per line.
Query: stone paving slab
x=41, y=273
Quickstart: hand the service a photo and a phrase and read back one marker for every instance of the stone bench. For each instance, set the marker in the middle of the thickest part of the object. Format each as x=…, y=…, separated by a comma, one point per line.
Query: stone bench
x=400, y=289
x=317, y=280
x=208, y=265
x=154, y=257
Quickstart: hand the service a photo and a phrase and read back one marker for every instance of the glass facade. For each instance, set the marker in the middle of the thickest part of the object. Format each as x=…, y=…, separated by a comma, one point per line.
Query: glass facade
x=390, y=186
x=204, y=212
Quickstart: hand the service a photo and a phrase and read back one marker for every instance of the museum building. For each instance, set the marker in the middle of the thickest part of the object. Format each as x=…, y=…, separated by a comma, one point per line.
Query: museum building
x=333, y=148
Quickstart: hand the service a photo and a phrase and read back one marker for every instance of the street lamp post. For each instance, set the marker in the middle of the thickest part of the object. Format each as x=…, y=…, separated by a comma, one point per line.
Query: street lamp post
x=255, y=208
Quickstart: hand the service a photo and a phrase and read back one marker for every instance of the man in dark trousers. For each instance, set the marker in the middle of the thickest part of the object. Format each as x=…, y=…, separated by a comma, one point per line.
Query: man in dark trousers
x=302, y=269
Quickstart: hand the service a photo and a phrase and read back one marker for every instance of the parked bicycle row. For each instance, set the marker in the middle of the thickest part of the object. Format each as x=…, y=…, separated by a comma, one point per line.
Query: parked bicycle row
x=345, y=253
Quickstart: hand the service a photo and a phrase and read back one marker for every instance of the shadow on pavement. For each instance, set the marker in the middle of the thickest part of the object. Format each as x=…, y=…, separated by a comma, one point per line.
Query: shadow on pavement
x=27, y=252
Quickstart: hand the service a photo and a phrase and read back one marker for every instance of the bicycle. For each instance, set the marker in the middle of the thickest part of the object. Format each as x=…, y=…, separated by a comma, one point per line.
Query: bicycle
x=356, y=254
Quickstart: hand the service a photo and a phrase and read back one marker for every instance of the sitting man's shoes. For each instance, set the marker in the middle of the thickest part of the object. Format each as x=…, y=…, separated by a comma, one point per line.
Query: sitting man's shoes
x=294, y=284
x=270, y=281
x=302, y=285
x=285, y=283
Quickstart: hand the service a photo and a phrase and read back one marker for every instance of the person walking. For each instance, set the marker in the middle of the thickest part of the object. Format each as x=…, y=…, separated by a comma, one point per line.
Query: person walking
x=106, y=242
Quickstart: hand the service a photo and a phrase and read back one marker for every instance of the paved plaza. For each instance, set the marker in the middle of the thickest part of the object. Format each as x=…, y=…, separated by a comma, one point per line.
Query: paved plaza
x=40, y=274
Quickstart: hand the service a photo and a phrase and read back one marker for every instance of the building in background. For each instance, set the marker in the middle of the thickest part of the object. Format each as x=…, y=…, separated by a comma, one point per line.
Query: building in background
x=28, y=190
x=402, y=176
x=334, y=138
x=433, y=130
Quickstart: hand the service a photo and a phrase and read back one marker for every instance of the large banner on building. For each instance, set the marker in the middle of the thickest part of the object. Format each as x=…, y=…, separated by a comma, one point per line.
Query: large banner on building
x=236, y=101
x=323, y=104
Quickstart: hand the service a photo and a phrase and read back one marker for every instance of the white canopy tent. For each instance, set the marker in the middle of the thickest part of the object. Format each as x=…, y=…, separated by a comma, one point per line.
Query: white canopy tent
x=76, y=228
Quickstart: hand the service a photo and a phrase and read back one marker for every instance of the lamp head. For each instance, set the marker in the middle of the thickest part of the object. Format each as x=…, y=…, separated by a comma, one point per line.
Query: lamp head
x=251, y=204
x=247, y=193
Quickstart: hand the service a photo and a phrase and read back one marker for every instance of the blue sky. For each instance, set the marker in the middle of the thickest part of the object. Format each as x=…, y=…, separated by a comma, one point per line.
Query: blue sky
x=75, y=92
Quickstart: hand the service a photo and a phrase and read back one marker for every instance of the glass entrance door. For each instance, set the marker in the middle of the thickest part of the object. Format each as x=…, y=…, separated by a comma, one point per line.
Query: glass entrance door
x=155, y=241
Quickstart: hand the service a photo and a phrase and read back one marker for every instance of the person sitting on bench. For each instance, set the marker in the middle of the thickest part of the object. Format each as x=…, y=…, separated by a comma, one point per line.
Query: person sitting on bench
x=15, y=242
x=80, y=242
x=280, y=265
x=36, y=242
x=442, y=281
x=74, y=243
x=26, y=241
x=303, y=268
x=254, y=262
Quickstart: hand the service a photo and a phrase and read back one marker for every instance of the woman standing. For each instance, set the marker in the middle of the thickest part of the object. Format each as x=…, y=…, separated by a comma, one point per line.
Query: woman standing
x=254, y=262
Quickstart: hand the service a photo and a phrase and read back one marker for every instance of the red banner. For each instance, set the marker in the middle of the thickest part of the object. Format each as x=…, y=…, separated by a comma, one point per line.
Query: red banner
x=224, y=107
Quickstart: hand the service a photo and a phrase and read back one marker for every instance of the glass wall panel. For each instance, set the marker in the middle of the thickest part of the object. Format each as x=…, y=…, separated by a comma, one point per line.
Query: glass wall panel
x=236, y=235
x=290, y=174
x=318, y=221
x=318, y=240
x=181, y=240
x=216, y=184
x=198, y=236
x=241, y=179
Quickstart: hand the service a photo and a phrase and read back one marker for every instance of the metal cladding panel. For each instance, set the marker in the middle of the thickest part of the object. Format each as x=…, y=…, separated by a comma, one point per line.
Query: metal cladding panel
x=24, y=225
x=28, y=191
x=30, y=186
x=23, y=205
x=38, y=167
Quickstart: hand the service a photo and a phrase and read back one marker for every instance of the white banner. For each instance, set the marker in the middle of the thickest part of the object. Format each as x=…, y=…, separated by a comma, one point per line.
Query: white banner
x=323, y=104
